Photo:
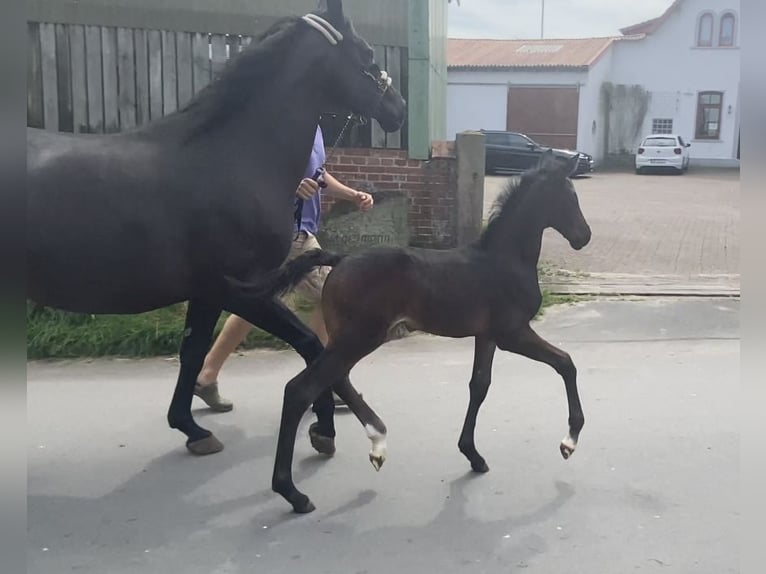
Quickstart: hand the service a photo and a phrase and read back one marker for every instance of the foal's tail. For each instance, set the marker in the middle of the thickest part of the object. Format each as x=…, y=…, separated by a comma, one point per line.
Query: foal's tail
x=282, y=279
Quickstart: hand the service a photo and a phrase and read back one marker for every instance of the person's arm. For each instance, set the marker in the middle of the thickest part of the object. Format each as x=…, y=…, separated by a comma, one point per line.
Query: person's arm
x=337, y=190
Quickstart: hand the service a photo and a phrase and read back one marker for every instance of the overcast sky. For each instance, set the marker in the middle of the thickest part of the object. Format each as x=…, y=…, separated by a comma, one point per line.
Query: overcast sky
x=520, y=19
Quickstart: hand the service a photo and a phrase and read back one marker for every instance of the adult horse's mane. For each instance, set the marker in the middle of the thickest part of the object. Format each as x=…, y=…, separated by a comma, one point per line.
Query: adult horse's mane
x=507, y=203
x=244, y=72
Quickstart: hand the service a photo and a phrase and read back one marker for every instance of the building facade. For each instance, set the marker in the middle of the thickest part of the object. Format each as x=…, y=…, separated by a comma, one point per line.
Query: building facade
x=677, y=73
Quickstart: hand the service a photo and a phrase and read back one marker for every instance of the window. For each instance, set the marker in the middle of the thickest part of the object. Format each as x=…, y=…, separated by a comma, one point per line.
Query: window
x=705, y=30
x=662, y=126
x=709, y=105
x=518, y=141
x=659, y=142
x=497, y=139
x=726, y=35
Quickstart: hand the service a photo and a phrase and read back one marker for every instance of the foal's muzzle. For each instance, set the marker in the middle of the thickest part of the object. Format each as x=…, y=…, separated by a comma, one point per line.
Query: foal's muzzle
x=580, y=239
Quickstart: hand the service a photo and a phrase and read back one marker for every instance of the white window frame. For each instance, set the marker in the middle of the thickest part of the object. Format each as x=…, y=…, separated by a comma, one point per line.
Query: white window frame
x=662, y=126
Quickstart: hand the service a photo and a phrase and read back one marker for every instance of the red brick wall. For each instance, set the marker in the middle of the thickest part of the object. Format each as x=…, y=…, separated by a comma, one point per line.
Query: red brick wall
x=430, y=185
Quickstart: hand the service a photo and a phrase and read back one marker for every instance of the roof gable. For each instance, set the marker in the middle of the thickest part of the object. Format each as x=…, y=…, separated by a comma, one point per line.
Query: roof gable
x=650, y=26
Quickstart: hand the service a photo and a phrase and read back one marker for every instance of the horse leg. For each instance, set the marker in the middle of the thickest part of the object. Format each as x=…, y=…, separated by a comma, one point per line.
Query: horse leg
x=274, y=317
x=332, y=366
x=373, y=426
x=299, y=393
x=201, y=318
x=529, y=344
x=481, y=378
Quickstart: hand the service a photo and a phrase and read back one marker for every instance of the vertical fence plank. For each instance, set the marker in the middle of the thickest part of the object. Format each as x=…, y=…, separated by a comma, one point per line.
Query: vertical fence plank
x=235, y=45
x=50, y=76
x=201, y=65
x=95, y=83
x=142, y=77
x=64, y=77
x=169, y=73
x=109, y=71
x=378, y=135
x=154, y=42
x=394, y=69
x=404, y=89
x=126, y=69
x=184, y=66
x=218, y=49
x=34, y=77
x=79, y=79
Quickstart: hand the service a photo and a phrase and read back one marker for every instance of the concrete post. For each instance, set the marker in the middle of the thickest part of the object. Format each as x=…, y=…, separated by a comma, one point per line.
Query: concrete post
x=470, y=151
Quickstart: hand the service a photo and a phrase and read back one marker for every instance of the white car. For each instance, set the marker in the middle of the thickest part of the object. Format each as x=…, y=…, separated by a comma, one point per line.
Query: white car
x=663, y=151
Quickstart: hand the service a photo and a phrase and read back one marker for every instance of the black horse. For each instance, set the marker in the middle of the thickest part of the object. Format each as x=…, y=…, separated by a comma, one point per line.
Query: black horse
x=488, y=290
x=176, y=210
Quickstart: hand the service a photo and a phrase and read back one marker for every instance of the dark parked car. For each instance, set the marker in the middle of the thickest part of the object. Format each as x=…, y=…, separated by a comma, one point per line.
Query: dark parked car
x=513, y=152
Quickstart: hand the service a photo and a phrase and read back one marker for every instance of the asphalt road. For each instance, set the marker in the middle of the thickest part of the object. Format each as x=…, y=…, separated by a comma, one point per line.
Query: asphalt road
x=653, y=486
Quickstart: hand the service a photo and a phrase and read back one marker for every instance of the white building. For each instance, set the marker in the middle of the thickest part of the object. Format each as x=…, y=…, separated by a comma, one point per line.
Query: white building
x=677, y=73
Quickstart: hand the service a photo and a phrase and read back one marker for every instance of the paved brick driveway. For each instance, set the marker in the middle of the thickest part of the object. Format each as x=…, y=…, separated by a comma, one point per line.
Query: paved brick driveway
x=653, y=230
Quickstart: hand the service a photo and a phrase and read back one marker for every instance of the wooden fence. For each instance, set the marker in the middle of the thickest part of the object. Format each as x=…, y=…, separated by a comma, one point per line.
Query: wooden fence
x=104, y=79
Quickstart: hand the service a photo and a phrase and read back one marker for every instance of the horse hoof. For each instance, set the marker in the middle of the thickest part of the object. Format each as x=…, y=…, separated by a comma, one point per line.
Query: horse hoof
x=480, y=466
x=205, y=446
x=567, y=448
x=322, y=444
x=304, y=506
x=377, y=460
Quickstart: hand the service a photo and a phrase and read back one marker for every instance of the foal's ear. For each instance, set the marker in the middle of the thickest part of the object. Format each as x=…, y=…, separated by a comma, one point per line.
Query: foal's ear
x=335, y=11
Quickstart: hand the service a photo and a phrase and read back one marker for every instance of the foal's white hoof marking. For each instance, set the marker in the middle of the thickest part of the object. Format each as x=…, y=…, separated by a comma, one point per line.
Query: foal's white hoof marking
x=568, y=446
x=378, y=451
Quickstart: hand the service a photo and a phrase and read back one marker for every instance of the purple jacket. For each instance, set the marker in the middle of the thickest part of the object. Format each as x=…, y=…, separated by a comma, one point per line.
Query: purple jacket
x=312, y=207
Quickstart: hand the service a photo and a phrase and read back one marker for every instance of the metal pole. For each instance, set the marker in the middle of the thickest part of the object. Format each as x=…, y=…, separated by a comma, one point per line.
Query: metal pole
x=542, y=20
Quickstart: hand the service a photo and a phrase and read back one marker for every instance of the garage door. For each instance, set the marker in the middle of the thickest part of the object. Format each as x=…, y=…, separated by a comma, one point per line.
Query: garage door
x=547, y=114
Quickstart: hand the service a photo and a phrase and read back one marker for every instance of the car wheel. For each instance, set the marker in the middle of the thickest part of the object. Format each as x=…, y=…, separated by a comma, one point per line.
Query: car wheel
x=638, y=171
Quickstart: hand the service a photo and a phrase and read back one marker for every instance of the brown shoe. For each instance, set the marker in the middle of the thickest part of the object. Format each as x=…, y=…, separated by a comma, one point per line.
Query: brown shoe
x=209, y=394
x=322, y=444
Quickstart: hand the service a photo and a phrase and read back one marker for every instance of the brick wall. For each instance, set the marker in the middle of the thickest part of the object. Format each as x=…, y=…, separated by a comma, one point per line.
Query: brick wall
x=431, y=187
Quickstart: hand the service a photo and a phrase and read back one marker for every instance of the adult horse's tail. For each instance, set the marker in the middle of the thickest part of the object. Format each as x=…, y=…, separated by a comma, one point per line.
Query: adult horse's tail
x=279, y=281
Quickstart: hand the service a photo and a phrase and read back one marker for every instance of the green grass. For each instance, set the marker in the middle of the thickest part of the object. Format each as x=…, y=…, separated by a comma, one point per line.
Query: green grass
x=53, y=334
x=551, y=299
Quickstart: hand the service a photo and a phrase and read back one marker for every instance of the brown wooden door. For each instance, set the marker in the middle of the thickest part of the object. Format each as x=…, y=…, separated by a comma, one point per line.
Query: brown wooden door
x=547, y=114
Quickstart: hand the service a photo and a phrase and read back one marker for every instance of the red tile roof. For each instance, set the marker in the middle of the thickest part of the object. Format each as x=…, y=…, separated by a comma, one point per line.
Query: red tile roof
x=576, y=53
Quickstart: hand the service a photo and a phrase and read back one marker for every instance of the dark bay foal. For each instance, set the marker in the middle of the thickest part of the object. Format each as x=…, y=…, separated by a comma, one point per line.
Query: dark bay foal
x=488, y=290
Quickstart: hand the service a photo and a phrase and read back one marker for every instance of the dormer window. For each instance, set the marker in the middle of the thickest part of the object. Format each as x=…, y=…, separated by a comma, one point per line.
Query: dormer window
x=705, y=30
x=728, y=25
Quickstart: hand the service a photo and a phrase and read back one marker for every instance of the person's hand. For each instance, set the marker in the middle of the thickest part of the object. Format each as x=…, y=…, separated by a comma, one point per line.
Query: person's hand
x=306, y=189
x=363, y=201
